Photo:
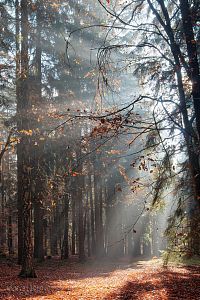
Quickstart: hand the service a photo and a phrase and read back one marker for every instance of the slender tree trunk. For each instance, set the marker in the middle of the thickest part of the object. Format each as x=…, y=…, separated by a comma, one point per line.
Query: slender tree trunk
x=88, y=226
x=3, y=211
x=101, y=232
x=38, y=186
x=191, y=139
x=45, y=228
x=65, y=243
x=38, y=147
x=108, y=223
x=81, y=233
x=81, y=236
x=97, y=215
x=10, y=233
x=93, y=242
x=19, y=126
x=54, y=233
x=73, y=224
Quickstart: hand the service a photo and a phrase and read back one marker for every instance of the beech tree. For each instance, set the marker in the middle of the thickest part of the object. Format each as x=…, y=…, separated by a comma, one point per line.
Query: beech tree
x=165, y=55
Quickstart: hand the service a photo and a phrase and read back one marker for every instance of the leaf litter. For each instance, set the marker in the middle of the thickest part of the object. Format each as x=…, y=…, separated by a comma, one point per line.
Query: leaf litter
x=105, y=280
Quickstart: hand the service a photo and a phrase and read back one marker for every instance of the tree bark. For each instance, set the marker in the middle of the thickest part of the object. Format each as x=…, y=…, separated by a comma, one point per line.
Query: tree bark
x=88, y=225
x=93, y=242
x=192, y=58
x=10, y=232
x=80, y=187
x=65, y=243
x=38, y=147
x=98, y=216
x=19, y=126
x=3, y=210
x=191, y=139
x=24, y=108
x=81, y=236
x=73, y=223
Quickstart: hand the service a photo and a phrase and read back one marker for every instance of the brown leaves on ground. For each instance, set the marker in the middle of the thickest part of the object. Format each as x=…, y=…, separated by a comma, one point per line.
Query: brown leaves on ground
x=107, y=280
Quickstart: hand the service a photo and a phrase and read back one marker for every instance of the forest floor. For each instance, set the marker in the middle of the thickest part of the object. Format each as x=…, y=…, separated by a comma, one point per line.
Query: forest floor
x=141, y=280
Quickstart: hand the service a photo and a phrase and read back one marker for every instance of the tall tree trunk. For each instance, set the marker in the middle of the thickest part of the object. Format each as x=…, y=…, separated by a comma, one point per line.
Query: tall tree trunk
x=97, y=215
x=73, y=223
x=108, y=222
x=38, y=186
x=98, y=200
x=101, y=231
x=81, y=236
x=19, y=126
x=192, y=58
x=194, y=160
x=3, y=211
x=38, y=158
x=93, y=242
x=54, y=232
x=10, y=231
x=45, y=228
x=24, y=107
x=88, y=225
x=65, y=243
x=191, y=139
x=80, y=187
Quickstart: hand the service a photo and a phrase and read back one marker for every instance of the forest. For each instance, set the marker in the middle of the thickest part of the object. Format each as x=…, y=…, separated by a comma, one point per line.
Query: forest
x=99, y=149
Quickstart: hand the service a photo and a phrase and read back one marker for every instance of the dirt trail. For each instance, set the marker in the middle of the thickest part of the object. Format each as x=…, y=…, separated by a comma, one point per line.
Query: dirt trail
x=120, y=280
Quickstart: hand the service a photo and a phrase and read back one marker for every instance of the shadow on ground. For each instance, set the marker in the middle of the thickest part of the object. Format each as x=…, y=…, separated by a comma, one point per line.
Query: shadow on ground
x=181, y=283
x=56, y=276
x=138, y=280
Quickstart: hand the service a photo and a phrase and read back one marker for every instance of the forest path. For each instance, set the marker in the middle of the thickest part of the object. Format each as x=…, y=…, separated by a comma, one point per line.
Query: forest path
x=141, y=280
